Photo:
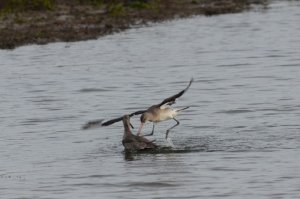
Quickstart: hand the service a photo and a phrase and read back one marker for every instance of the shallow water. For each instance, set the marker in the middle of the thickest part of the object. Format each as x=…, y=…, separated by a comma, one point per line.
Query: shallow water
x=240, y=137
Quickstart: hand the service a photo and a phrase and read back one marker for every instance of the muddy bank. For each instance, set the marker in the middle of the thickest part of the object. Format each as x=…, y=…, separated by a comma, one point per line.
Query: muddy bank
x=67, y=21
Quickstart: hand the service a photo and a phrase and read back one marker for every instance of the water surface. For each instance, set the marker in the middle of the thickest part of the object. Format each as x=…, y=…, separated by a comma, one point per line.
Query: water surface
x=242, y=129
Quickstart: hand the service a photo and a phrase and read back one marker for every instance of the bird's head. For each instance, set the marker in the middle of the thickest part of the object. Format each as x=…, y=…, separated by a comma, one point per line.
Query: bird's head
x=126, y=122
x=145, y=117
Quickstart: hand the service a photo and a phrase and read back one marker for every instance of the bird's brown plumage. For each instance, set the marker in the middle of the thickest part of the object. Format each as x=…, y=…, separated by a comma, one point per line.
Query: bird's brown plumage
x=133, y=142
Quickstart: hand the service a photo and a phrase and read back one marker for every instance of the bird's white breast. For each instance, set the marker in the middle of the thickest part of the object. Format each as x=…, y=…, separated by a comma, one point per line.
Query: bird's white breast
x=165, y=114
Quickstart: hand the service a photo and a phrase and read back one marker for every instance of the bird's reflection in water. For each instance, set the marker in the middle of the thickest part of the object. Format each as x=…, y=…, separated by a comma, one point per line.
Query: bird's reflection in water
x=130, y=155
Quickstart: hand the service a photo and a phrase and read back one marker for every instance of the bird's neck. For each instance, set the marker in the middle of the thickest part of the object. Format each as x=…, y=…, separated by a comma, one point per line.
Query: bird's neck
x=127, y=130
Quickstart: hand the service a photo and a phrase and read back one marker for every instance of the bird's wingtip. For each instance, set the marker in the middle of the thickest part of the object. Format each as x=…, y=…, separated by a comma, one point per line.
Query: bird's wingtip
x=92, y=124
x=192, y=79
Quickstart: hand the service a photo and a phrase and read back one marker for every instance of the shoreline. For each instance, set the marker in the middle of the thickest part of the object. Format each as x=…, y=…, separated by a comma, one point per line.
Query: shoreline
x=65, y=22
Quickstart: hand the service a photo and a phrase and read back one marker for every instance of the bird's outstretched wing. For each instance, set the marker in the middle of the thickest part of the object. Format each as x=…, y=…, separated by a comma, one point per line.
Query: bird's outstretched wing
x=98, y=123
x=92, y=124
x=171, y=100
x=109, y=122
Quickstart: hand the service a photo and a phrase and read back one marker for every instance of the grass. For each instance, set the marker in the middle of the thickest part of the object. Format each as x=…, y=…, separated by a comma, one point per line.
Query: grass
x=23, y=5
x=140, y=5
x=116, y=9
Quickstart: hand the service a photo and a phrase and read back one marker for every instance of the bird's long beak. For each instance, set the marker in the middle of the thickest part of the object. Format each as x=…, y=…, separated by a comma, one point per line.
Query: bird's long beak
x=140, y=129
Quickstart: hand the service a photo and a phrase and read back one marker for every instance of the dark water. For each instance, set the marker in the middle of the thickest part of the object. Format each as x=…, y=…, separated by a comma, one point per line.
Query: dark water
x=241, y=135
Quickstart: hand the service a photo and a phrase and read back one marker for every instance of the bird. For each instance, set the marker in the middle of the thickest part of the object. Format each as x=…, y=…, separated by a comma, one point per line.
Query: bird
x=133, y=142
x=162, y=111
x=155, y=113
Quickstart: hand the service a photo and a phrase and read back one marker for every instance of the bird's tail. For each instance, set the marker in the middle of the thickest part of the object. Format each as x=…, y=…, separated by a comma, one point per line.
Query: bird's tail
x=181, y=109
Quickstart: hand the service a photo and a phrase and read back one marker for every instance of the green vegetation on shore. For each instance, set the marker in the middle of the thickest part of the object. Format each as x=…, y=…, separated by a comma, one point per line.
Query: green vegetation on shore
x=43, y=21
x=25, y=5
x=41, y=5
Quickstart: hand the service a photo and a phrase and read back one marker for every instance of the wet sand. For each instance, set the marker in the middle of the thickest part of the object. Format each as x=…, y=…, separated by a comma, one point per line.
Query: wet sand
x=66, y=22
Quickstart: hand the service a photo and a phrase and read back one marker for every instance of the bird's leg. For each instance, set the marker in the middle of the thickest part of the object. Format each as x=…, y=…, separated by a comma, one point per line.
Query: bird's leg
x=167, y=132
x=151, y=131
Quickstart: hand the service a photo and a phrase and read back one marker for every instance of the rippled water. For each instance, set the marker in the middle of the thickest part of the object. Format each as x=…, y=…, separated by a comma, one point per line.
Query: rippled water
x=241, y=132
